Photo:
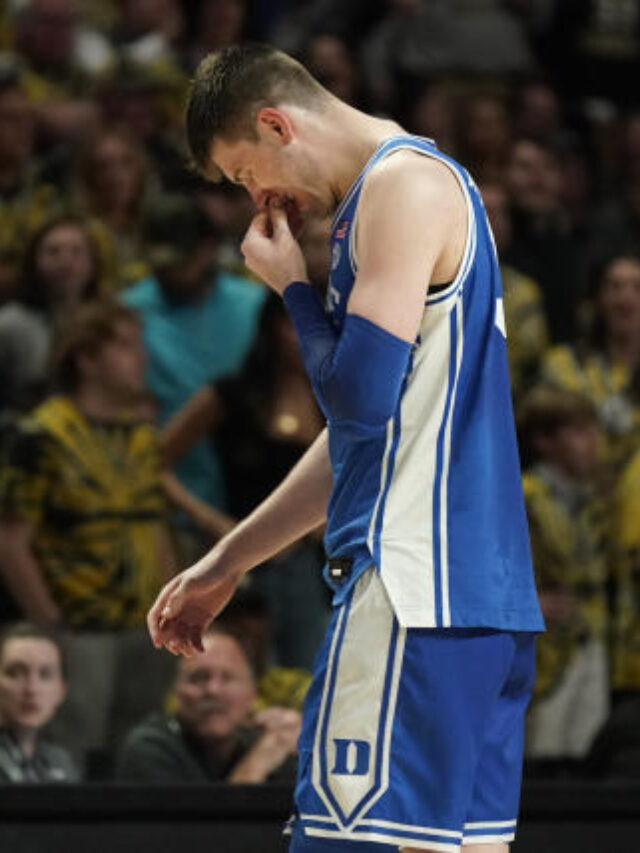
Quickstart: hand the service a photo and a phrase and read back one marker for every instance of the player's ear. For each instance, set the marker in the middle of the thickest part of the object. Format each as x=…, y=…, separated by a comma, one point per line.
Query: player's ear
x=274, y=125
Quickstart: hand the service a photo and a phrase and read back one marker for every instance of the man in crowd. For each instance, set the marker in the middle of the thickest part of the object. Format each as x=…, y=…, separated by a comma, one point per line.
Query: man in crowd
x=198, y=324
x=212, y=736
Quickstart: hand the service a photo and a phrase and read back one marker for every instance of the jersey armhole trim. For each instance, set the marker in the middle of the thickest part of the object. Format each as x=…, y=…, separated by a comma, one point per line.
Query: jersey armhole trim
x=468, y=253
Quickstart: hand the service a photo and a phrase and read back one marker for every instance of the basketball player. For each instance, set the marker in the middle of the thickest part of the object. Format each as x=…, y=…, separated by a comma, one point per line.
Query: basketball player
x=413, y=726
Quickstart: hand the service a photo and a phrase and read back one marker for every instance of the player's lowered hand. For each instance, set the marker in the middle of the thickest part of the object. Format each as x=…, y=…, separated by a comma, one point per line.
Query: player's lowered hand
x=187, y=605
x=271, y=251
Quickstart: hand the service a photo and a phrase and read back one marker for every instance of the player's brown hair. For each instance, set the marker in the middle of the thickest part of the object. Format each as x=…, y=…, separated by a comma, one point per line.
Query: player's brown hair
x=231, y=86
x=87, y=329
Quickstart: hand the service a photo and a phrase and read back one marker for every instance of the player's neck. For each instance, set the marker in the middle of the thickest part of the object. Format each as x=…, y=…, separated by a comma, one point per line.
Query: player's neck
x=352, y=137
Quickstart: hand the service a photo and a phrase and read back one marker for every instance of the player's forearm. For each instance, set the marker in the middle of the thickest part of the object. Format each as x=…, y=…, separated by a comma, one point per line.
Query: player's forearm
x=22, y=574
x=296, y=507
x=357, y=375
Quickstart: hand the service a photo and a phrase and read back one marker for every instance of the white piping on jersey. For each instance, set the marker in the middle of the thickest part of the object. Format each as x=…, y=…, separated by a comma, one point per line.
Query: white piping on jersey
x=383, y=480
x=444, y=479
x=491, y=824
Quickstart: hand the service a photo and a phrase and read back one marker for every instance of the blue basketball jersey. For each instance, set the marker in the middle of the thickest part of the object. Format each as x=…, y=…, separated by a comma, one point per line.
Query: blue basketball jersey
x=435, y=502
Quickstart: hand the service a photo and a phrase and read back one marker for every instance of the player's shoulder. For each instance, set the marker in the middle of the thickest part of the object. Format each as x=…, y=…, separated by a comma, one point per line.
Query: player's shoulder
x=412, y=170
x=413, y=187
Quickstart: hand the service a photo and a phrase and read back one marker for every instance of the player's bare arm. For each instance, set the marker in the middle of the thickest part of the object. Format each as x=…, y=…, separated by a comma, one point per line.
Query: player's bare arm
x=406, y=197
x=189, y=603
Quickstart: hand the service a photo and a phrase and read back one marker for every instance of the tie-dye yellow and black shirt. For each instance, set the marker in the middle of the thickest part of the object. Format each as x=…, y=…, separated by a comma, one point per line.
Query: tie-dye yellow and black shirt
x=92, y=491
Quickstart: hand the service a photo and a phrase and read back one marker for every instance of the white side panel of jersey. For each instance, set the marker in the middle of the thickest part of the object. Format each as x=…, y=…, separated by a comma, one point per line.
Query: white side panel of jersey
x=406, y=562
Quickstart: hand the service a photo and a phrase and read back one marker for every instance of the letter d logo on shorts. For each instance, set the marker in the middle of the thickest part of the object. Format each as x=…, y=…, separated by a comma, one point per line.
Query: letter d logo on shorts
x=350, y=766
x=352, y=757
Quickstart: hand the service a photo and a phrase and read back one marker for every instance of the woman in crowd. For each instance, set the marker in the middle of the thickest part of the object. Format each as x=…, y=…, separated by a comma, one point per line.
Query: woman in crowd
x=32, y=687
x=113, y=187
x=262, y=421
x=605, y=364
x=60, y=269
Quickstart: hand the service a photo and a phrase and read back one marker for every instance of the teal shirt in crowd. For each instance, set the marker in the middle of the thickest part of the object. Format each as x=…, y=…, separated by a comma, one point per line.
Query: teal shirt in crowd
x=189, y=345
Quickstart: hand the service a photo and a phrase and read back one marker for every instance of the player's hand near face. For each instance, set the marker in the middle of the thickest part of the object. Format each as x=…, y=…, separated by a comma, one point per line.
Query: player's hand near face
x=271, y=251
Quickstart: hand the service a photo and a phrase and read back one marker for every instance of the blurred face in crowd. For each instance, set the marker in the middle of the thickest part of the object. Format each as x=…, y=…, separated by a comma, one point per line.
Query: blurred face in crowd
x=434, y=116
x=539, y=112
x=496, y=204
x=118, y=366
x=619, y=298
x=533, y=178
x=215, y=690
x=16, y=128
x=31, y=682
x=65, y=263
x=116, y=173
x=47, y=32
x=487, y=128
x=136, y=109
x=221, y=22
x=191, y=278
x=229, y=208
x=146, y=16
x=331, y=63
x=574, y=448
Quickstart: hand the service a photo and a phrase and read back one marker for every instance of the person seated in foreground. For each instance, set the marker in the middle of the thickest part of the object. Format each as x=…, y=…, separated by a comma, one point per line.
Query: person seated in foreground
x=32, y=687
x=213, y=736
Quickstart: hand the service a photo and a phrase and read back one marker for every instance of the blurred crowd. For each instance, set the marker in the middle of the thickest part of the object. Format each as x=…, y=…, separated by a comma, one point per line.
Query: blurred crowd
x=151, y=392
